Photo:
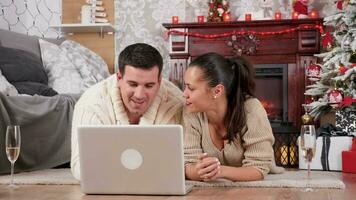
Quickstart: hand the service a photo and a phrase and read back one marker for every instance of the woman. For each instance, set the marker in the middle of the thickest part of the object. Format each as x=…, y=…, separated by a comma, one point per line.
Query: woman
x=232, y=137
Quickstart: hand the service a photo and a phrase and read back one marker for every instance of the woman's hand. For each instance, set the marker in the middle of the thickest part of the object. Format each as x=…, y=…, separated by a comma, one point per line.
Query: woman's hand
x=208, y=168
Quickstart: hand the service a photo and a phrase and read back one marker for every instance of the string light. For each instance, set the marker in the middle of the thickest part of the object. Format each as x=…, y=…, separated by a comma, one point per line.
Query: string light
x=245, y=32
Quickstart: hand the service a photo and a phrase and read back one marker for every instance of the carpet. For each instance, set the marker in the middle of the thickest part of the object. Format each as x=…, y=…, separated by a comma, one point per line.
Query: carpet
x=289, y=179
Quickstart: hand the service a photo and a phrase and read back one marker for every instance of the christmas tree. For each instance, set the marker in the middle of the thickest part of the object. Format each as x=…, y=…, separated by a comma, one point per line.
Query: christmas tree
x=217, y=10
x=335, y=87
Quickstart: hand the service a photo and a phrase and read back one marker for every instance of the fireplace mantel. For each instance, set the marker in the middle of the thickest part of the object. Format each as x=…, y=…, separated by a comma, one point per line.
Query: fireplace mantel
x=294, y=48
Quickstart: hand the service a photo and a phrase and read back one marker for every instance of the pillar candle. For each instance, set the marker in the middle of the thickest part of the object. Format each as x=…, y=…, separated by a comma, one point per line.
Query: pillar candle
x=226, y=17
x=314, y=14
x=200, y=18
x=295, y=15
x=248, y=17
x=175, y=20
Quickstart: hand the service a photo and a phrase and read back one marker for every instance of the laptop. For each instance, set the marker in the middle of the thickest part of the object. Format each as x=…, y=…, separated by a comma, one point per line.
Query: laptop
x=132, y=159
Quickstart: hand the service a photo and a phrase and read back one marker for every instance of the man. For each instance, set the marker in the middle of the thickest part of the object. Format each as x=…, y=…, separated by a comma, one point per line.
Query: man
x=137, y=94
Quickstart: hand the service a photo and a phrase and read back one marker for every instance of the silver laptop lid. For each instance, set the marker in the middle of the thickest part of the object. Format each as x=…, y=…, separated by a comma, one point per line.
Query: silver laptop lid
x=132, y=159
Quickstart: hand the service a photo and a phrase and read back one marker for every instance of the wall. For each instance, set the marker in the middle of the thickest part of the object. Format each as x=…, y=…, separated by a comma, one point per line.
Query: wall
x=141, y=20
x=31, y=17
x=136, y=20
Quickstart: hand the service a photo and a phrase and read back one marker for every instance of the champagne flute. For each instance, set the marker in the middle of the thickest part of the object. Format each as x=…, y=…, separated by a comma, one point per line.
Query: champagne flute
x=308, y=146
x=12, y=144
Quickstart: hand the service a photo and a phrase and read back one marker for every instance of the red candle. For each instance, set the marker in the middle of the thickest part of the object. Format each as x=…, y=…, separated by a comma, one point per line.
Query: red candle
x=314, y=14
x=248, y=17
x=295, y=15
x=174, y=19
x=226, y=17
x=200, y=18
x=278, y=15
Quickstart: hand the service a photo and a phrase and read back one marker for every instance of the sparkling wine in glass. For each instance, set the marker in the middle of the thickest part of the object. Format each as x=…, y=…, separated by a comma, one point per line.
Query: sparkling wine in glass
x=12, y=145
x=308, y=146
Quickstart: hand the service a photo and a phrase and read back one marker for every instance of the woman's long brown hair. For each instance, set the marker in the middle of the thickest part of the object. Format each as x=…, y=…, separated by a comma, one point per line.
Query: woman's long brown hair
x=237, y=75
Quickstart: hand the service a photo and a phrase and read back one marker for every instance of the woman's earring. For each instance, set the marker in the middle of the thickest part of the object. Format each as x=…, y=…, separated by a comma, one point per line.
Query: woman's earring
x=215, y=96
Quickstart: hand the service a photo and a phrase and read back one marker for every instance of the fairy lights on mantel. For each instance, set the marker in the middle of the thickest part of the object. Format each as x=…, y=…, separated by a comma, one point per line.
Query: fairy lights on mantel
x=245, y=32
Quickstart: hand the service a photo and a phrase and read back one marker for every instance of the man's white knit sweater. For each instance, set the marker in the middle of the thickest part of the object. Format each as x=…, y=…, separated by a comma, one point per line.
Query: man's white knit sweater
x=102, y=104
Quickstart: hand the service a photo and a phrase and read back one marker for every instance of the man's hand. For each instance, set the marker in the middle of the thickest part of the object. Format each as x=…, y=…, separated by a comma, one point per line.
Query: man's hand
x=208, y=168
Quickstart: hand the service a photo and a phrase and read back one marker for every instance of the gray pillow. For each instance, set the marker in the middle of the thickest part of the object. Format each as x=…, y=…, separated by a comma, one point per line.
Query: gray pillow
x=22, y=41
x=19, y=65
x=33, y=88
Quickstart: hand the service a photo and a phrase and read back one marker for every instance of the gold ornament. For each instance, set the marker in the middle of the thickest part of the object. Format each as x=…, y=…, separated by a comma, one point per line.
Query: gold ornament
x=306, y=118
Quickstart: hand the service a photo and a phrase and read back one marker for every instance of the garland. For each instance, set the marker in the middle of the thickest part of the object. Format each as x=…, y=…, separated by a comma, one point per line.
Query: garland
x=227, y=34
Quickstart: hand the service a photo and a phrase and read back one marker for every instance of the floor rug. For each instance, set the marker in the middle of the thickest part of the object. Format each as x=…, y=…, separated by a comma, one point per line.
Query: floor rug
x=289, y=179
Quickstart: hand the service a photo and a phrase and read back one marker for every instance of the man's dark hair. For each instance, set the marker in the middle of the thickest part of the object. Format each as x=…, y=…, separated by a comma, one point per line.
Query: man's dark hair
x=141, y=56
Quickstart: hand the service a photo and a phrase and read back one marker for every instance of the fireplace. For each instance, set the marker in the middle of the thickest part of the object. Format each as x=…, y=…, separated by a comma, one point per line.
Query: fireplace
x=279, y=59
x=272, y=90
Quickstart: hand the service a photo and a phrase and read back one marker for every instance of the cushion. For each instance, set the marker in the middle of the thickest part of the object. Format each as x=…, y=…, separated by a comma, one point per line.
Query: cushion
x=19, y=65
x=87, y=72
x=33, y=88
x=63, y=77
x=6, y=88
x=22, y=41
x=94, y=63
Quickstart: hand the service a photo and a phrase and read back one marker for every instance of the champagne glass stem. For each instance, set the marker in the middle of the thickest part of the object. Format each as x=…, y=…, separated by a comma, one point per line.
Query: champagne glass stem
x=308, y=188
x=12, y=173
x=308, y=171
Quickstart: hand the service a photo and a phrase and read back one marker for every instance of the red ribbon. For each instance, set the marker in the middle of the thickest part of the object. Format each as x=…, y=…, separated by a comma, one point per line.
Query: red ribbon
x=227, y=34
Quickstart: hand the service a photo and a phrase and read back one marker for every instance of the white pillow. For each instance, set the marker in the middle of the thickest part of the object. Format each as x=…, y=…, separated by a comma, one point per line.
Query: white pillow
x=90, y=77
x=6, y=88
x=63, y=76
x=93, y=62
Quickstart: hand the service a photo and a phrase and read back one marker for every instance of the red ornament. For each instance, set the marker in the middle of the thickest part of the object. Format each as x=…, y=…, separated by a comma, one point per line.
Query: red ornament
x=348, y=100
x=327, y=40
x=314, y=72
x=339, y=4
x=300, y=8
x=342, y=69
x=335, y=97
x=309, y=101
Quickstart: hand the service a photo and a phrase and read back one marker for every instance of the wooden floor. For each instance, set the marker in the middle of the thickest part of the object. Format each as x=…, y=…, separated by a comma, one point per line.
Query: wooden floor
x=63, y=192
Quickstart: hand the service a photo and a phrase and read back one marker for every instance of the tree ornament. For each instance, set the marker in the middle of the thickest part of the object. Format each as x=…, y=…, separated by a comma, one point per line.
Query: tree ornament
x=216, y=10
x=327, y=40
x=307, y=119
x=348, y=101
x=342, y=69
x=314, y=72
x=309, y=100
x=335, y=97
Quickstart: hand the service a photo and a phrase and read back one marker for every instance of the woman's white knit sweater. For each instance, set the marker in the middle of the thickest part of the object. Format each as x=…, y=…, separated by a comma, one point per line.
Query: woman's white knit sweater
x=254, y=148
